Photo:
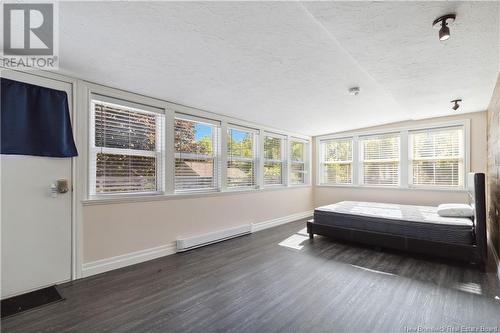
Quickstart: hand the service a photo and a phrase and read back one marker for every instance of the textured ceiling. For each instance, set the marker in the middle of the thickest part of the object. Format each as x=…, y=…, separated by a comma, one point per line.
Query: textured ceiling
x=288, y=64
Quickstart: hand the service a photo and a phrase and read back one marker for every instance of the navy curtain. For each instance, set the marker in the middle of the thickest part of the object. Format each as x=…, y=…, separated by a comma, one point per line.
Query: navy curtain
x=35, y=121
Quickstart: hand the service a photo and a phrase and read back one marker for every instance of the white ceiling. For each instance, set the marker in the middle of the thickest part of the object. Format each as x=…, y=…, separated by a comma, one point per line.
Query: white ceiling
x=289, y=65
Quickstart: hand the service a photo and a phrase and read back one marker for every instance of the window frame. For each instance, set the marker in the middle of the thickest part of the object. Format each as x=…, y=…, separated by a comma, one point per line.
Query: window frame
x=404, y=164
x=87, y=91
x=256, y=139
x=461, y=159
x=321, y=161
x=93, y=150
x=362, y=161
x=216, y=146
x=283, y=160
x=305, y=162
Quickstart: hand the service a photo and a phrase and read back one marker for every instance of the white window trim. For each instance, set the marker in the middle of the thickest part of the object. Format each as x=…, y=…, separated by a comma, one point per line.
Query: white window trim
x=404, y=157
x=361, y=159
x=285, y=145
x=306, y=162
x=353, y=161
x=159, y=153
x=125, y=103
x=256, y=140
x=171, y=110
x=215, y=158
x=460, y=158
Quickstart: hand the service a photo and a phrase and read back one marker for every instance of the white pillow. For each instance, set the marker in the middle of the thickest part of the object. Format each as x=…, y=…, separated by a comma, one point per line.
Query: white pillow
x=455, y=210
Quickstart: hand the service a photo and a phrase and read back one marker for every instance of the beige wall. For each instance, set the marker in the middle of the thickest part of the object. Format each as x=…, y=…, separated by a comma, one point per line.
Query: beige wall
x=328, y=195
x=120, y=228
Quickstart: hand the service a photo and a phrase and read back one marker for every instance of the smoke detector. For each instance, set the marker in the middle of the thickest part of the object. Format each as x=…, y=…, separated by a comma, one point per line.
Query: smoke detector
x=354, y=91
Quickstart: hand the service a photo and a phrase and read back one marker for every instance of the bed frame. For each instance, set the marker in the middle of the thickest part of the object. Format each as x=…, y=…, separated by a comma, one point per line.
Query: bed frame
x=476, y=252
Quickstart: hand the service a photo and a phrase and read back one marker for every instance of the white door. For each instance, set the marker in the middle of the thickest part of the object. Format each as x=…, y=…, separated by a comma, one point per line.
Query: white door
x=35, y=226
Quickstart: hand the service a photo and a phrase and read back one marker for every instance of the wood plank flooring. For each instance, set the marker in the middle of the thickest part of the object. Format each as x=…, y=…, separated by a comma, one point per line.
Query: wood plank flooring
x=276, y=280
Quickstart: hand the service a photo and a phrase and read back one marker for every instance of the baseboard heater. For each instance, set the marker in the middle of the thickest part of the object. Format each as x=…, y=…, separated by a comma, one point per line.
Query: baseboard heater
x=185, y=244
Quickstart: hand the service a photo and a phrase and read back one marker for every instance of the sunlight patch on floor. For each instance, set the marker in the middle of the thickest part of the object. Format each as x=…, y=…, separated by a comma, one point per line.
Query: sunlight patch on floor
x=469, y=287
x=295, y=241
x=372, y=270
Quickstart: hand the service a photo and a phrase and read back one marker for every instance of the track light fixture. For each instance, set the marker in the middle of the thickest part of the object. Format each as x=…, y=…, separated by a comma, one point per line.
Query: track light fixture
x=456, y=105
x=442, y=23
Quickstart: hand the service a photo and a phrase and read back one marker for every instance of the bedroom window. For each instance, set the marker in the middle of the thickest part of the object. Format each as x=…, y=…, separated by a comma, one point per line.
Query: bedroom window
x=297, y=162
x=379, y=156
x=417, y=157
x=437, y=157
x=126, y=148
x=274, y=159
x=196, y=150
x=336, y=161
x=241, y=158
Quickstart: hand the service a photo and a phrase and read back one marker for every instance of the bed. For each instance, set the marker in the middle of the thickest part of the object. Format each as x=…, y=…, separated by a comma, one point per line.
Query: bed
x=410, y=228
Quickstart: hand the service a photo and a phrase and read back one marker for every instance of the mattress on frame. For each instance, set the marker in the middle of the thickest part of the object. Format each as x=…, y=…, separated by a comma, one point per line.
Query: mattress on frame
x=421, y=222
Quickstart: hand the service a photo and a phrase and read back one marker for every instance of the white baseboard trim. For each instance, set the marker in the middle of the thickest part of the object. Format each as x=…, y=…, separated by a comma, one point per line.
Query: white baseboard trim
x=108, y=264
x=280, y=220
x=495, y=256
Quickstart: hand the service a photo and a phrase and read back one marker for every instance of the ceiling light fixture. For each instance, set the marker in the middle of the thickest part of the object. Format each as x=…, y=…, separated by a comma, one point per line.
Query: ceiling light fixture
x=354, y=91
x=456, y=105
x=442, y=24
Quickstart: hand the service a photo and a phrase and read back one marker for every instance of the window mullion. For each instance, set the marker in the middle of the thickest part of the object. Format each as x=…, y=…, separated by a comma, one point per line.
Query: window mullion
x=169, y=151
x=222, y=156
x=260, y=159
x=356, y=168
x=285, y=156
x=403, y=159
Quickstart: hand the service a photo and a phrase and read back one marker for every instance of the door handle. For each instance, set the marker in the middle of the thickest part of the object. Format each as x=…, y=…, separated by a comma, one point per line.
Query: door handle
x=60, y=186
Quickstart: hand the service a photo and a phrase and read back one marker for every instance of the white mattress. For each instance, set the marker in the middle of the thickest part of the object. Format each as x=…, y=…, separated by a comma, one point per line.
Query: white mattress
x=395, y=212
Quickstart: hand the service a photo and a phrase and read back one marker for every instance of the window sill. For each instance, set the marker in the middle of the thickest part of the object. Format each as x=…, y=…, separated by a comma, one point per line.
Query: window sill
x=194, y=191
x=123, y=198
x=270, y=186
x=399, y=188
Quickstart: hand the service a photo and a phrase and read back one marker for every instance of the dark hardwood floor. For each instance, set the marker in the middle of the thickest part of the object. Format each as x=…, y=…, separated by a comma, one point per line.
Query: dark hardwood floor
x=275, y=280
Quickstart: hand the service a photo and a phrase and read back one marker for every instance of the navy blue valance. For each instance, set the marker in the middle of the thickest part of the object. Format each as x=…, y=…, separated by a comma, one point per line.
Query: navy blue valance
x=35, y=121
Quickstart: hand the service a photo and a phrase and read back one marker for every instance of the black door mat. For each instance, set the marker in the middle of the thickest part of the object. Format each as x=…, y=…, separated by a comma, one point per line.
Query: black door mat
x=29, y=301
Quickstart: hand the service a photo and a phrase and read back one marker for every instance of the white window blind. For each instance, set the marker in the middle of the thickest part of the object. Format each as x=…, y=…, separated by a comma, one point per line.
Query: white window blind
x=273, y=160
x=336, y=161
x=437, y=157
x=298, y=162
x=126, y=149
x=379, y=156
x=241, y=158
x=196, y=166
